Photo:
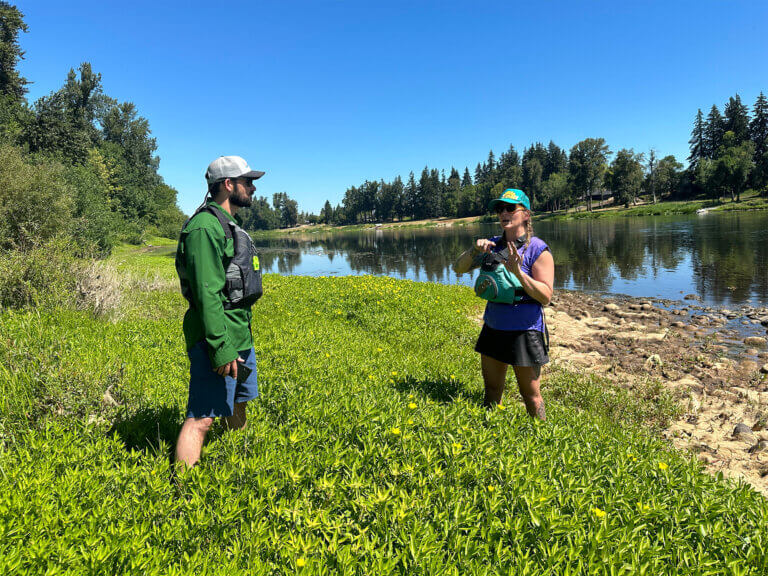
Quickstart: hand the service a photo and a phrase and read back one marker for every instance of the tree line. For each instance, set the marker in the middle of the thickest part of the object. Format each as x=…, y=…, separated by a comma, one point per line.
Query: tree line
x=89, y=163
x=729, y=153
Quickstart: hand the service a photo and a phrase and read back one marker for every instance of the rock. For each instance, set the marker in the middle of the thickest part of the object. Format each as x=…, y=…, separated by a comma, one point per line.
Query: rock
x=747, y=366
x=610, y=307
x=653, y=361
x=678, y=324
x=692, y=297
x=742, y=429
x=694, y=404
x=108, y=398
x=755, y=342
x=751, y=351
x=759, y=447
x=690, y=328
x=764, y=322
x=764, y=369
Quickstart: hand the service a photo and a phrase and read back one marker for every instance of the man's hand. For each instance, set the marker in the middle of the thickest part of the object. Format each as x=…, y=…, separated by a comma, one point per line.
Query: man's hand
x=230, y=368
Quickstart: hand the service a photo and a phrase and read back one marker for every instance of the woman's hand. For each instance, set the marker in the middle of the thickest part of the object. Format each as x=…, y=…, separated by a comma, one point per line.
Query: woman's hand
x=514, y=261
x=484, y=245
x=471, y=258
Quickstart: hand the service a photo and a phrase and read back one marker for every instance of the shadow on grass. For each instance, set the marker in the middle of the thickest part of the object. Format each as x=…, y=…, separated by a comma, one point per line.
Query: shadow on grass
x=440, y=390
x=147, y=429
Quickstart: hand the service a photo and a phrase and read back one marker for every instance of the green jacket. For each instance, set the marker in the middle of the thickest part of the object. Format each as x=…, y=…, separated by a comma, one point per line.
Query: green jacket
x=203, y=248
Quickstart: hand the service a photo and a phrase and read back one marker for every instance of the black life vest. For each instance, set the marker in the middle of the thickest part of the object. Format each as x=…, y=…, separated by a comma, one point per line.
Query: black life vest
x=243, y=273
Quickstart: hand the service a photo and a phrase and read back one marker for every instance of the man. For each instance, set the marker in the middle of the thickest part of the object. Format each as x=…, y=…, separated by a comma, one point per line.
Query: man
x=219, y=276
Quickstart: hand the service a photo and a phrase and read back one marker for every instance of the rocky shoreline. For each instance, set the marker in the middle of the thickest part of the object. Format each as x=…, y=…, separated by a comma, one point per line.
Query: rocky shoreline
x=714, y=361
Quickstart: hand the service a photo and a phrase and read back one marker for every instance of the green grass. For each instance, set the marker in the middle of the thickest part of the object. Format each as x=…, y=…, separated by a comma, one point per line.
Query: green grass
x=367, y=453
x=750, y=200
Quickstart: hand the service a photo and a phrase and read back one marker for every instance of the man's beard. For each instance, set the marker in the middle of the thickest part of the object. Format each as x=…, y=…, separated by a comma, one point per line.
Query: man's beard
x=241, y=200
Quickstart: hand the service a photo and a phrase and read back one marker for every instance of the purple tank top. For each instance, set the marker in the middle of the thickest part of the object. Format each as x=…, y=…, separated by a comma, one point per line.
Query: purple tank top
x=527, y=314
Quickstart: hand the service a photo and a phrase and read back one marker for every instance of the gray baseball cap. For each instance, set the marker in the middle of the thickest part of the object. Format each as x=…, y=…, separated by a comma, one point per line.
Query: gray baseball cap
x=230, y=167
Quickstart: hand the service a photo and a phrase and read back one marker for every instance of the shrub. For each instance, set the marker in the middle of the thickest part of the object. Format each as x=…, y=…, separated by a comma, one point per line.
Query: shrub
x=35, y=200
x=45, y=273
x=50, y=274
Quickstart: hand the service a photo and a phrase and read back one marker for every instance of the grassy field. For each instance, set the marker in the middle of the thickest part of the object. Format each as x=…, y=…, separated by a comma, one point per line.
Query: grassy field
x=367, y=453
x=750, y=200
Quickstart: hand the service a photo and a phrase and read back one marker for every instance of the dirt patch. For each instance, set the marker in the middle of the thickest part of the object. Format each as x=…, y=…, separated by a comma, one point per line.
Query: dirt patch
x=719, y=381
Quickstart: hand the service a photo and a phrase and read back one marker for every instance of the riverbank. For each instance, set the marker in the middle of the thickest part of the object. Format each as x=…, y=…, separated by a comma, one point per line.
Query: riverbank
x=311, y=229
x=368, y=450
x=714, y=362
x=750, y=201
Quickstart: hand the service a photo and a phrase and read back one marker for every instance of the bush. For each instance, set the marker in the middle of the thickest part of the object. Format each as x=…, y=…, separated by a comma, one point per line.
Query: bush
x=51, y=275
x=94, y=224
x=35, y=200
x=46, y=273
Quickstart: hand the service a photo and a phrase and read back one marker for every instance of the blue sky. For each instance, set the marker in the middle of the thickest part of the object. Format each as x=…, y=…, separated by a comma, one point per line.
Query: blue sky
x=324, y=95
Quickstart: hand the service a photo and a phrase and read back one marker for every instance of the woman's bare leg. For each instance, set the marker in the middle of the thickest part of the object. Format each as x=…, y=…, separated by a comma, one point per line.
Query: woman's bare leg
x=494, y=376
x=528, y=380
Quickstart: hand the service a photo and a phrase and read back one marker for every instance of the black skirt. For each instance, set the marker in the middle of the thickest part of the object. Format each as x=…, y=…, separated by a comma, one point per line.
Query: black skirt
x=514, y=347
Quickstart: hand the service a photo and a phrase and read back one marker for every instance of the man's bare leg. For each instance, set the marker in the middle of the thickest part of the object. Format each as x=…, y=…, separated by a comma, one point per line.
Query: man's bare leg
x=191, y=438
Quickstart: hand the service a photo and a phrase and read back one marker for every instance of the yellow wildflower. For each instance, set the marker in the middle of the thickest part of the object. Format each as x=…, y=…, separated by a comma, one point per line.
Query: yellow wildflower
x=410, y=421
x=411, y=405
x=663, y=466
x=501, y=407
x=599, y=513
x=395, y=431
x=301, y=562
x=491, y=489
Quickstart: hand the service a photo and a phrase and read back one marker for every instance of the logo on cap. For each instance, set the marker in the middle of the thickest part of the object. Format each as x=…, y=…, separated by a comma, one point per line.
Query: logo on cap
x=510, y=194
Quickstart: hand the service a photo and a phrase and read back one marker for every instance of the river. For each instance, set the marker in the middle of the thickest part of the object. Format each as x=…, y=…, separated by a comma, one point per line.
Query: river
x=720, y=257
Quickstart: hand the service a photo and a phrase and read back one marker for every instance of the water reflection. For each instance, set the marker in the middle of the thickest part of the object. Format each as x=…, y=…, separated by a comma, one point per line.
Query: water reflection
x=721, y=257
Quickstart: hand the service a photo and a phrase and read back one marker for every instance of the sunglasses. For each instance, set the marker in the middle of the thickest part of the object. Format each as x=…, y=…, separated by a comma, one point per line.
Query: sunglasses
x=508, y=207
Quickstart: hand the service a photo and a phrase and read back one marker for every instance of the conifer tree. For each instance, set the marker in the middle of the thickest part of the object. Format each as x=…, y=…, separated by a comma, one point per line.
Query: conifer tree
x=12, y=84
x=410, y=193
x=737, y=119
x=758, y=129
x=714, y=130
x=556, y=160
x=466, y=180
x=697, y=141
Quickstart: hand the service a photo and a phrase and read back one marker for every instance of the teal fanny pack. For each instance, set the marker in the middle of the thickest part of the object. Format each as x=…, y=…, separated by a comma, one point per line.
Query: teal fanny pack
x=497, y=284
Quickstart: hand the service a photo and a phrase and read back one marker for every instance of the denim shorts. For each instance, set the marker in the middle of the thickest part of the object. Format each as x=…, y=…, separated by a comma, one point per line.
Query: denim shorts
x=211, y=395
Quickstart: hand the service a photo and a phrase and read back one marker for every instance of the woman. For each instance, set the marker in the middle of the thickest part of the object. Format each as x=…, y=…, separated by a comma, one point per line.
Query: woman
x=515, y=333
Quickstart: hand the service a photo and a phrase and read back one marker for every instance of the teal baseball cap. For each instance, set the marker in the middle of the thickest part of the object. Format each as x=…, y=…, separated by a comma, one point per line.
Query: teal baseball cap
x=511, y=196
